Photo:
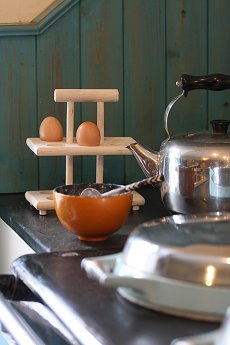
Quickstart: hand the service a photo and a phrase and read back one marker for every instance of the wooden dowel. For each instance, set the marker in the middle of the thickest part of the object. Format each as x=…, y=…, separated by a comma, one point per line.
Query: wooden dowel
x=100, y=119
x=100, y=125
x=70, y=122
x=86, y=95
x=69, y=140
x=99, y=168
x=69, y=170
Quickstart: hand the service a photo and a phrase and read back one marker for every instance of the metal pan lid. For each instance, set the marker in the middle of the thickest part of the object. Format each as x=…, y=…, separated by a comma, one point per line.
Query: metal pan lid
x=191, y=248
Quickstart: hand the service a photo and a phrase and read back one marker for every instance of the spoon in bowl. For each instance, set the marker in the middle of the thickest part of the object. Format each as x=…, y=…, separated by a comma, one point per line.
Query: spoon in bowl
x=92, y=192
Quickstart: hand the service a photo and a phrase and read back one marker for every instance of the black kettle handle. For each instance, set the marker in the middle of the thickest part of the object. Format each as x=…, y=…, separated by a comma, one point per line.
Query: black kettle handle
x=214, y=82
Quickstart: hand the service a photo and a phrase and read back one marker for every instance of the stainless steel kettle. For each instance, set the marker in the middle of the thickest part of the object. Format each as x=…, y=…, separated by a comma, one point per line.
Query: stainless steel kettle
x=195, y=167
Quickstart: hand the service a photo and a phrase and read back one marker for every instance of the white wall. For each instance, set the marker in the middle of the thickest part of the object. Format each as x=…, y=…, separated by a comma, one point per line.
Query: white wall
x=21, y=11
x=11, y=247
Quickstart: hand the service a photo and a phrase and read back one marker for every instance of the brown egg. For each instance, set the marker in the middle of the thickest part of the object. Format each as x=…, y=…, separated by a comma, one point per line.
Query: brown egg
x=51, y=129
x=88, y=134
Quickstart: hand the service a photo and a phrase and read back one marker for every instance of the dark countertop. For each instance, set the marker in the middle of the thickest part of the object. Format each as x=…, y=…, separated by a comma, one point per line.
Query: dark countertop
x=46, y=234
x=100, y=312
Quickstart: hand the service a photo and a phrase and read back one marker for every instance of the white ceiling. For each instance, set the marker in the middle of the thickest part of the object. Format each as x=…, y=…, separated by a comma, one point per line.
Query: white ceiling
x=22, y=11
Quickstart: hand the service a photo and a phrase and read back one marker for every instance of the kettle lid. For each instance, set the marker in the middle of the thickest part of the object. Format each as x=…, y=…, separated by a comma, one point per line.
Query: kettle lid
x=219, y=135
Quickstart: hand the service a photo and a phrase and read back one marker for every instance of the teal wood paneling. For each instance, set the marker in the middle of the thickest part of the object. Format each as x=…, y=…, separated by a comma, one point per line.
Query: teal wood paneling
x=18, y=167
x=219, y=55
x=140, y=47
x=144, y=75
x=102, y=67
x=58, y=66
x=186, y=53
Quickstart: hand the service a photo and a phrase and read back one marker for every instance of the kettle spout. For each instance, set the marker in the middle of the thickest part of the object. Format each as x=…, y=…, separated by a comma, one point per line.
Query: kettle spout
x=148, y=161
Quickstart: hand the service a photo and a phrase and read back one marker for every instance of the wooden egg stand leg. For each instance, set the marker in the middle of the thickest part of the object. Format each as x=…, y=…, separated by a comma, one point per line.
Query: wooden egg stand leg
x=42, y=212
x=69, y=140
x=100, y=158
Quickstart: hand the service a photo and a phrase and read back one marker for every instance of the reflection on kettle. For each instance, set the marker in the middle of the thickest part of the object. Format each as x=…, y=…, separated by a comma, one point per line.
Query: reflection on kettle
x=190, y=178
x=186, y=180
x=220, y=182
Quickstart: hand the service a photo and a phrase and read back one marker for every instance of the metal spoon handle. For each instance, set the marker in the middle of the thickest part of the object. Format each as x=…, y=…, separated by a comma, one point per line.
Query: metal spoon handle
x=135, y=185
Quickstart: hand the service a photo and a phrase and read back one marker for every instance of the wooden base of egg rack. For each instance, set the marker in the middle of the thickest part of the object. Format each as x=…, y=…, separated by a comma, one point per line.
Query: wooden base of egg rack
x=42, y=200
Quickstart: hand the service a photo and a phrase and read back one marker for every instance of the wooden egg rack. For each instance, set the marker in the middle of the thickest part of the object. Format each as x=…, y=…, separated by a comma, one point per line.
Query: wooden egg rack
x=43, y=200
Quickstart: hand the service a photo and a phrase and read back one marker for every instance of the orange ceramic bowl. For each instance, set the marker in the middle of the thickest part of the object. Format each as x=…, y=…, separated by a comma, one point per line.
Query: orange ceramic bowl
x=91, y=218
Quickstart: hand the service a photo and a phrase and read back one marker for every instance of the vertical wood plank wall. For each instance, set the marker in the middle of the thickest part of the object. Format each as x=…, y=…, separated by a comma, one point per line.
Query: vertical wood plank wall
x=140, y=47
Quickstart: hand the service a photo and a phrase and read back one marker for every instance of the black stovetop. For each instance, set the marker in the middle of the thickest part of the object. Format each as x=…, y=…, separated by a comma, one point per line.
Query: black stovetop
x=95, y=314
